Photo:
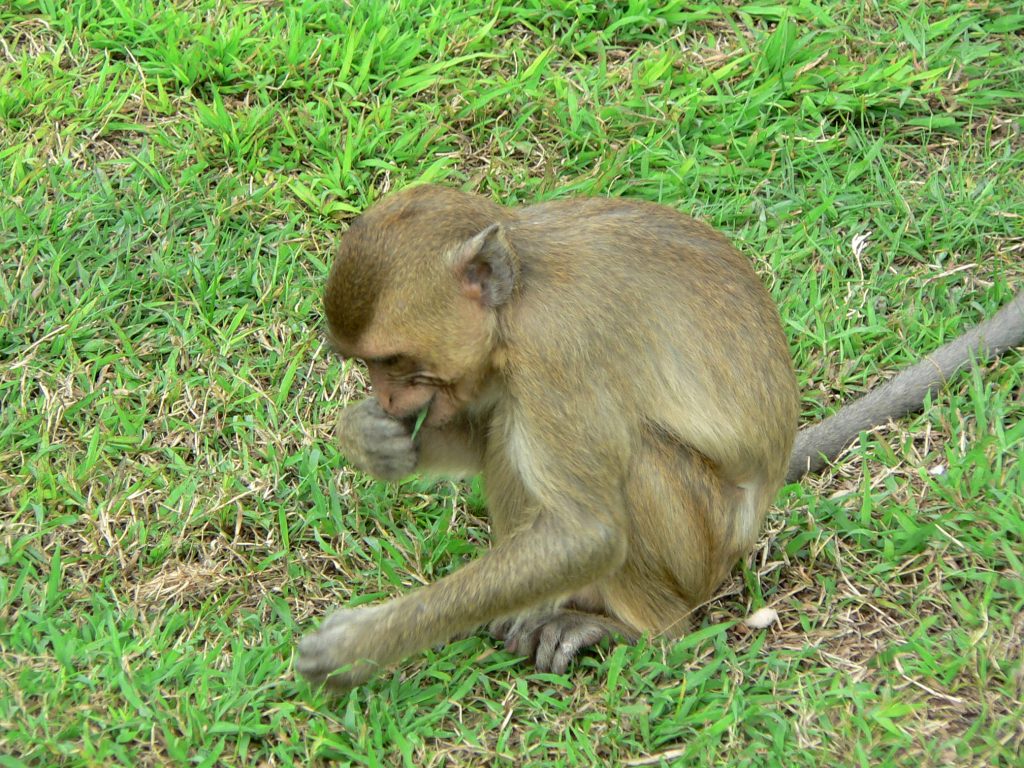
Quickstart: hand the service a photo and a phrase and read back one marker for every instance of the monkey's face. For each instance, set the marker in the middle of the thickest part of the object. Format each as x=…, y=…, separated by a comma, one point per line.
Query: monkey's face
x=413, y=293
x=417, y=358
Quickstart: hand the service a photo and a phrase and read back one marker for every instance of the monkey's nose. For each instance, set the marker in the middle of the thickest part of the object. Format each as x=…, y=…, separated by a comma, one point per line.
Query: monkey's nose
x=386, y=400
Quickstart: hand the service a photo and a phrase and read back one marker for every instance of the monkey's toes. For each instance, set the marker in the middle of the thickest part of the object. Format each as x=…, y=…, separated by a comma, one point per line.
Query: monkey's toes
x=552, y=641
x=565, y=636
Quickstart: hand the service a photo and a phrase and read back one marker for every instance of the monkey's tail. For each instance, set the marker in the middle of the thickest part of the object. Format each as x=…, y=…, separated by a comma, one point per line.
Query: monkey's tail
x=905, y=393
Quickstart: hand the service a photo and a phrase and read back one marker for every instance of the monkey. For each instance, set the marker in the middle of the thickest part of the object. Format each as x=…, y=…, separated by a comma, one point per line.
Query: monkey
x=616, y=373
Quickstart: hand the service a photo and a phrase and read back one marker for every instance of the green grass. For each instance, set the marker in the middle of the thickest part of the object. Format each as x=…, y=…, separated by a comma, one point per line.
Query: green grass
x=173, y=513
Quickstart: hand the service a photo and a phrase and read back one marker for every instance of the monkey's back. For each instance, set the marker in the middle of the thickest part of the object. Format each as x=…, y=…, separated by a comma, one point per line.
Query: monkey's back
x=690, y=342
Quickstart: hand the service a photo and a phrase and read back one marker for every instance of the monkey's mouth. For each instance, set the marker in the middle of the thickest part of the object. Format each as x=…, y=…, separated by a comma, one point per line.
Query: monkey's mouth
x=416, y=420
x=438, y=411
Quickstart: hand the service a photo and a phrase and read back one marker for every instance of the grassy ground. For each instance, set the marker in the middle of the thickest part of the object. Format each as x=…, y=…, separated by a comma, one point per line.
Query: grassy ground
x=173, y=514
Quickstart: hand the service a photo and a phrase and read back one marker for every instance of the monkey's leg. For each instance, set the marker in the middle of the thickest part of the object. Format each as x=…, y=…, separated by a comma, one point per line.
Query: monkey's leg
x=552, y=634
x=683, y=525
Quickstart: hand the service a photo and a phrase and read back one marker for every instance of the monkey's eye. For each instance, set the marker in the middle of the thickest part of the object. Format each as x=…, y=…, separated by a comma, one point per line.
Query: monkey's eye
x=385, y=363
x=423, y=380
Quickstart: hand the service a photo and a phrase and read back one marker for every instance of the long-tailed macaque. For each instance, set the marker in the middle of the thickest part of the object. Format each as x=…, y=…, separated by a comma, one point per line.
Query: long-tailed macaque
x=619, y=375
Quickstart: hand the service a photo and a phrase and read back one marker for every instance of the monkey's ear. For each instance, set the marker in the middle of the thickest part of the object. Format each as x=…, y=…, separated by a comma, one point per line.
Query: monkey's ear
x=485, y=266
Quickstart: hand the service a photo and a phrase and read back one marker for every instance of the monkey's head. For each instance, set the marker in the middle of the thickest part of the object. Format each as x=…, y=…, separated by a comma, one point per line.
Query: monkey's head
x=414, y=293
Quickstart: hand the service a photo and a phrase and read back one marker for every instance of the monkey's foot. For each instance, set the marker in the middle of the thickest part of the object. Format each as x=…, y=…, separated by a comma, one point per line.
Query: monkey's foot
x=332, y=654
x=552, y=640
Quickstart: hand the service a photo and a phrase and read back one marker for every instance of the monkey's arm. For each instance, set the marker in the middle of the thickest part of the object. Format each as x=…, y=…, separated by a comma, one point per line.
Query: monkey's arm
x=543, y=562
x=569, y=535
x=905, y=392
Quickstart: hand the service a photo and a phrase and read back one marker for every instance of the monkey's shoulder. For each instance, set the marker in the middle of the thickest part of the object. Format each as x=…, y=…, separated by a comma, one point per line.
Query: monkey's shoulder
x=638, y=246
x=592, y=226
x=586, y=211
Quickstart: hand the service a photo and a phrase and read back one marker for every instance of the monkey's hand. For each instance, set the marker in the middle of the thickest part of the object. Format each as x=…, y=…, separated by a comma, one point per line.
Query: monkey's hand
x=341, y=652
x=376, y=443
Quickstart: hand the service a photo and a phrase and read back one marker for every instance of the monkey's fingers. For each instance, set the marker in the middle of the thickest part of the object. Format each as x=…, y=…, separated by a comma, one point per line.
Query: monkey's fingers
x=336, y=653
x=387, y=453
x=392, y=459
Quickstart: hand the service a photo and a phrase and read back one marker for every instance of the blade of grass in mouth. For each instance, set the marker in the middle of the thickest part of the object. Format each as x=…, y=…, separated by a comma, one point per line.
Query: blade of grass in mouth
x=420, y=418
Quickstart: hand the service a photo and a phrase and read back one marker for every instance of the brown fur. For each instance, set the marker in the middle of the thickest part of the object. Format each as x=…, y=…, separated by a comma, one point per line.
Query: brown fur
x=628, y=396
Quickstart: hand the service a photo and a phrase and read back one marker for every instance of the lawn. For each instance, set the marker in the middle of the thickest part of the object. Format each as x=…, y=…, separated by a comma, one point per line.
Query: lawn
x=174, y=514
